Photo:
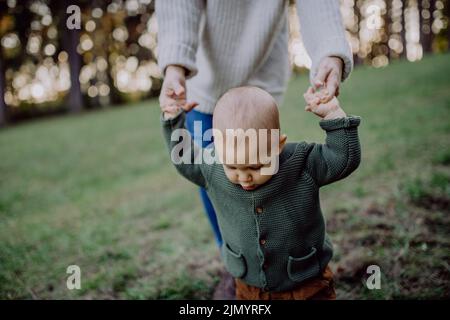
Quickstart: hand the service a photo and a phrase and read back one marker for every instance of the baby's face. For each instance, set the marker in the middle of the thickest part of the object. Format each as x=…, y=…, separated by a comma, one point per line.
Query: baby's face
x=248, y=176
x=246, y=164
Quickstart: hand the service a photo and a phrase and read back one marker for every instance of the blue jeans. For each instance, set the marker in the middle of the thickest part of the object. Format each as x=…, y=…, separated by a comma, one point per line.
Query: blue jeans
x=206, y=120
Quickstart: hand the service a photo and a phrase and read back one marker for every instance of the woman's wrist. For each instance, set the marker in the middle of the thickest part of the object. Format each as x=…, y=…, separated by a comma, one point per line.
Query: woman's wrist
x=175, y=69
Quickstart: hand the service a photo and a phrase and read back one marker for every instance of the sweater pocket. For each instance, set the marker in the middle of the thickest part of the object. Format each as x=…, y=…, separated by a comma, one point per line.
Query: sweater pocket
x=300, y=269
x=234, y=262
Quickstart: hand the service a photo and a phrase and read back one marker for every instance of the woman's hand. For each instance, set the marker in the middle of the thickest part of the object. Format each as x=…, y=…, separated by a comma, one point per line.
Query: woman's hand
x=173, y=92
x=329, y=76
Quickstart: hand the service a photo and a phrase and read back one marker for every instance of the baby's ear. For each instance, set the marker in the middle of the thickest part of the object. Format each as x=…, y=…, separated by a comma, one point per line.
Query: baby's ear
x=283, y=140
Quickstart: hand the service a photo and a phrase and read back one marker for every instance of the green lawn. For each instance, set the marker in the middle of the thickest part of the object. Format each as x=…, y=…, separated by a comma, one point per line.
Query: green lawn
x=98, y=191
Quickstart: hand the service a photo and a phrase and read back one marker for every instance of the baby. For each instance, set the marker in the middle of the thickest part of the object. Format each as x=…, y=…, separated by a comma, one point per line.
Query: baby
x=275, y=243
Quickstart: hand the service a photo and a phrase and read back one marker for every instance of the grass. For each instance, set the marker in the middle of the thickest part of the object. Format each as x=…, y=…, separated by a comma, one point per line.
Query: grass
x=97, y=190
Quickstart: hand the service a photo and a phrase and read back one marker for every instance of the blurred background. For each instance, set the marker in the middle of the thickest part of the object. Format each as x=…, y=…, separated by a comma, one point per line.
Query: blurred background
x=97, y=190
x=112, y=59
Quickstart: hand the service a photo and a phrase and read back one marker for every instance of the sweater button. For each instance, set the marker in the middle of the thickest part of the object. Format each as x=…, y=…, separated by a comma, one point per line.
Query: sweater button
x=259, y=210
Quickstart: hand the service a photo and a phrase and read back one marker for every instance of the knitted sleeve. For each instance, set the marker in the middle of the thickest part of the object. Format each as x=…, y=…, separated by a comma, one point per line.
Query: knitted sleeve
x=178, y=33
x=323, y=33
x=186, y=156
x=341, y=153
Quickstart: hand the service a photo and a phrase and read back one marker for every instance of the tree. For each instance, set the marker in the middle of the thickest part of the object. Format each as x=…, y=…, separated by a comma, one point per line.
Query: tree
x=71, y=39
x=403, y=30
x=2, y=93
x=22, y=27
x=356, y=8
x=69, y=42
x=447, y=15
x=388, y=26
x=426, y=33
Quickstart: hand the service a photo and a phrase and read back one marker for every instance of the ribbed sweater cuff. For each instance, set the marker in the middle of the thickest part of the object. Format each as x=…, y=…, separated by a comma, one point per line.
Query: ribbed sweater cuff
x=335, y=124
x=171, y=123
x=178, y=54
x=336, y=47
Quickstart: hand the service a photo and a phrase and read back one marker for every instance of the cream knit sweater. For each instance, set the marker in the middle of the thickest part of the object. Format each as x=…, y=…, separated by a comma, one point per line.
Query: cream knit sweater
x=229, y=43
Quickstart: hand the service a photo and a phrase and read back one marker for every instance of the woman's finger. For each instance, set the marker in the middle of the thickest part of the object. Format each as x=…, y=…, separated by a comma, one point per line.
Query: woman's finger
x=321, y=75
x=170, y=108
x=189, y=106
x=165, y=101
x=332, y=83
x=178, y=89
x=169, y=92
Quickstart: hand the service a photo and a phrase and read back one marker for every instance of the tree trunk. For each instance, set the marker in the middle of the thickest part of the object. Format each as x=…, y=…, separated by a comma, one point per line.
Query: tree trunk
x=387, y=26
x=356, y=59
x=2, y=92
x=447, y=14
x=403, y=31
x=432, y=9
x=69, y=42
x=426, y=38
x=75, y=99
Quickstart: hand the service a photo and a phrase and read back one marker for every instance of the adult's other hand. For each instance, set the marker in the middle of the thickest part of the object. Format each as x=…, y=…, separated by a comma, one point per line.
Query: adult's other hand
x=173, y=91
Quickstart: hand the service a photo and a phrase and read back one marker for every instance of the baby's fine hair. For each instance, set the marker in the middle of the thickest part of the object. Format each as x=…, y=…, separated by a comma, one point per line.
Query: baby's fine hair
x=244, y=108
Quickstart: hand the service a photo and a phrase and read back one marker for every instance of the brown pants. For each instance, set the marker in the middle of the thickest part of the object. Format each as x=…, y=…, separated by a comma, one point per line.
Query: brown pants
x=319, y=288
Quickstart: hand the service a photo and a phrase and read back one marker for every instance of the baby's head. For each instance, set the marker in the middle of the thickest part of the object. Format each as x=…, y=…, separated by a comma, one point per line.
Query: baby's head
x=247, y=136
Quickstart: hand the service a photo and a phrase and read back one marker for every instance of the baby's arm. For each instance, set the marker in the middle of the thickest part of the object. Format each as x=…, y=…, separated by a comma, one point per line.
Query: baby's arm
x=184, y=153
x=341, y=153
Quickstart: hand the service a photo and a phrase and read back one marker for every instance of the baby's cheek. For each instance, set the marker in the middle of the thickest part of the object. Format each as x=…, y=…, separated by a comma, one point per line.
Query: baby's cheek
x=263, y=178
x=230, y=176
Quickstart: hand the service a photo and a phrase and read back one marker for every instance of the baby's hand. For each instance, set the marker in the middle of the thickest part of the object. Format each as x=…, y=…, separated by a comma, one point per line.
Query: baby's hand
x=171, y=111
x=327, y=111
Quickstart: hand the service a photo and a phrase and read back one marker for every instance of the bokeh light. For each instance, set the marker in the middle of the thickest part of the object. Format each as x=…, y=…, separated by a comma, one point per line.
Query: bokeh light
x=118, y=46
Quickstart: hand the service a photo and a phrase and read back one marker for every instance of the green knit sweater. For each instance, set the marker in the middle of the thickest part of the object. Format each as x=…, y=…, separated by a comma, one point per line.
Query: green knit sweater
x=274, y=236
